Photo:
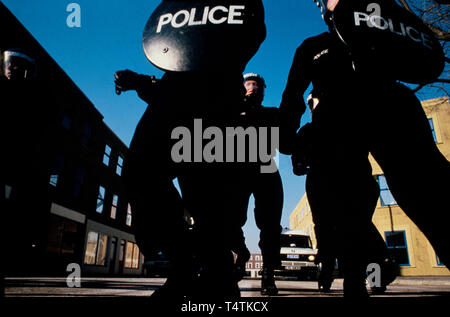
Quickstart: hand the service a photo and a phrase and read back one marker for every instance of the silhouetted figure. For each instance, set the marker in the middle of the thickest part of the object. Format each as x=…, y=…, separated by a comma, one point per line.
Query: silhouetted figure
x=342, y=206
x=24, y=120
x=306, y=154
x=361, y=112
x=267, y=190
x=214, y=95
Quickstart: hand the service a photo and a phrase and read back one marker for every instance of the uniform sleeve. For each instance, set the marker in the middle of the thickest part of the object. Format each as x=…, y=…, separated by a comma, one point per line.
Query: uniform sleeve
x=292, y=104
x=147, y=88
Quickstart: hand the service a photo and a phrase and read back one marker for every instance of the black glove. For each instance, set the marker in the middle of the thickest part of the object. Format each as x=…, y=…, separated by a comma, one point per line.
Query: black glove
x=126, y=80
x=301, y=155
x=252, y=102
x=299, y=164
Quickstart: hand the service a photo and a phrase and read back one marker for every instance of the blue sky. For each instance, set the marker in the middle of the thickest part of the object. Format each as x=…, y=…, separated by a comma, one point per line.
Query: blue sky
x=109, y=39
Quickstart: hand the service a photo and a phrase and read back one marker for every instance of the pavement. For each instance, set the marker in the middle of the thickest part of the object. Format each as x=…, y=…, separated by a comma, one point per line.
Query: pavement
x=114, y=293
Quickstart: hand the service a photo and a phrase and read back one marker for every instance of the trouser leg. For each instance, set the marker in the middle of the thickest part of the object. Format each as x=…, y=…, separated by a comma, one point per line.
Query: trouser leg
x=417, y=174
x=268, y=193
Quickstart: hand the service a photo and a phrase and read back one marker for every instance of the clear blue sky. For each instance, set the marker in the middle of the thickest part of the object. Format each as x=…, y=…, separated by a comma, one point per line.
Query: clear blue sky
x=109, y=39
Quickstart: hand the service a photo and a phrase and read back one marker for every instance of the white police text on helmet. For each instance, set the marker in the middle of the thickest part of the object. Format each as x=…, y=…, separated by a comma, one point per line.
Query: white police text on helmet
x=215, y=15
x=388, y=24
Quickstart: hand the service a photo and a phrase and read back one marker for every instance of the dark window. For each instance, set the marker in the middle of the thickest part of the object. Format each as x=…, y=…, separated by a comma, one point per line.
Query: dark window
x=56, y=170
x=79, y=180
x=107, y=155
x=66, y=122
x=119, y=165
x=100, y=199
x=438, y=261
x=114, y=206
x=54, y=180
x=386, y=197
x=430, y=121
x=396, y=243
x=87, y=131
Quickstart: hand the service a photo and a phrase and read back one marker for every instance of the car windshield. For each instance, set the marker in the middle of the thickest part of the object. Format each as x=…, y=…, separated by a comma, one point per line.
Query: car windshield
x=293, y=241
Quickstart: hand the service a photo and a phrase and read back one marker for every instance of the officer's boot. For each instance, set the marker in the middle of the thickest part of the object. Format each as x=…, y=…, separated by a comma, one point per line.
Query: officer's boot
x=354, y=280
x=389, y=272
x=268, y=286
x=183, y=270
x=326, y=274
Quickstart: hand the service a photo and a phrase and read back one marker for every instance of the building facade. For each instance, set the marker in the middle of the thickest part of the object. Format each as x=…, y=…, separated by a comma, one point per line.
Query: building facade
x=74, y=208
x=403, y=238
x=254, y=265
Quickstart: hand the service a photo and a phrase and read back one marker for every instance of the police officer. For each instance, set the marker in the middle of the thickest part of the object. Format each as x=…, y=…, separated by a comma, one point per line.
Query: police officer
x=306, y=149
x=365, y=112
x=342, y=201
x=266, y=188
x=18, y=65
x=149, y=170
x=24, y=177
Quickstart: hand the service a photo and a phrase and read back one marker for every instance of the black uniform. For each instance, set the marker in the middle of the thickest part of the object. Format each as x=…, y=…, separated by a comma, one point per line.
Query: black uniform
x=361, y=113
x=267, y=190
x=24, y=126
x=213, y=95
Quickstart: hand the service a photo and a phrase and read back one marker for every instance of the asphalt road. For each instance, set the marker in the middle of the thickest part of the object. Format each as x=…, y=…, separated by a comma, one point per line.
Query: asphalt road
x=112, y=293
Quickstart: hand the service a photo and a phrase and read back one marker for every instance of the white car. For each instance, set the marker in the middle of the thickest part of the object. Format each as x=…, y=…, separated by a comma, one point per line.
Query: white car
x=297, y=256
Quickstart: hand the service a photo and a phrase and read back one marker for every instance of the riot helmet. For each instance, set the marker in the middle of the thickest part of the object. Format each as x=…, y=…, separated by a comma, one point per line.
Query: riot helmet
x=254, y=83
x=18, y=65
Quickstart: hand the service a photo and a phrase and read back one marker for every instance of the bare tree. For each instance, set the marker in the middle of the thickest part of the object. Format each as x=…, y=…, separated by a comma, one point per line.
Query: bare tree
x=436, y=15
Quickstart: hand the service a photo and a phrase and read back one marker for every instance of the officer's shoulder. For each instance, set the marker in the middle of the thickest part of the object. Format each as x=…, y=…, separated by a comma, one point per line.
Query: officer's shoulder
x=313, y=42
x=317, y=38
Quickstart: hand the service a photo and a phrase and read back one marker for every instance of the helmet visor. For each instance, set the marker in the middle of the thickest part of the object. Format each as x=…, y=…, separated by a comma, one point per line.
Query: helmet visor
x=18, y=65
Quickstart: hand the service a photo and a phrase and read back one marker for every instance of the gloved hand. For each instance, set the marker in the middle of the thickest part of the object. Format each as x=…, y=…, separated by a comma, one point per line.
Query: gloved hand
x=299, y=164
x=126, y=80
x=252, y=101
x=301, y=154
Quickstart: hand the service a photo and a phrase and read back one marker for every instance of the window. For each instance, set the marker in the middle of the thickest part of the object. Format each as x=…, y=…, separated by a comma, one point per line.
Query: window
x=87, y=131
x=8, y=190
x=79, y=180
x=107, y=155
x=100, y=199
x=430, y=121
x=132, y=256
x=114, y=206
x=119, y=165
x=438, y=261
x=257, y=265
x=396, y=243
x=56, y=169
x=129, y=216
x=66, y=122
x=386, y=197
x=96, y=248
x=54, y=180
